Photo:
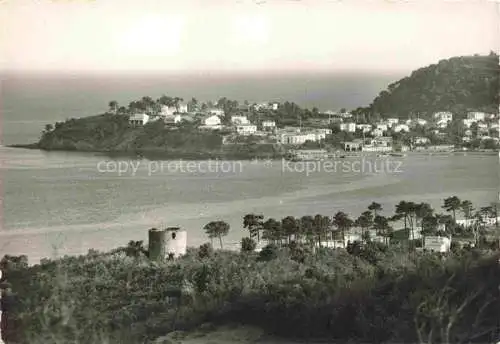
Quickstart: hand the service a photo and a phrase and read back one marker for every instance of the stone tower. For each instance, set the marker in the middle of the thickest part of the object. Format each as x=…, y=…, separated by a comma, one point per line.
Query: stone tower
x=156, y=244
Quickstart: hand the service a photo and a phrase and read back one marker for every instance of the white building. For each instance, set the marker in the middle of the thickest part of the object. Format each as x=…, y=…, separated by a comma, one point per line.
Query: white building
x=275, y=106
x=215, y=111
x=380, y=144
x=172, y=119
x=468, y=122
x=364, y=127
x=211, y=122
x=325, y=131
x=266, y=125
x=476, y=116
x=377, y=132
x=292, y=129
x=443, y=116
x=401, y=127
x=170, y=110
x=349, y=127
x=392, y=122
x=482, y=127
x=383, y=127
x=246, y=129
x=138, y=119
x=421, y=122
x=437, y=244
x=296, y=139
x=239, y=120
x=175, y=242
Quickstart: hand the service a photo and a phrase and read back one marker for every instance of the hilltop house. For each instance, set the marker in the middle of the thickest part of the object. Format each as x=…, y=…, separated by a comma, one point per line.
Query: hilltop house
x=392, y=122
x=401, y=127
x=380, y=144
x=353, y=146
x=443, y=118
x=377, y=132
x=349, y=127
x=382, y=127
x=246, y=129
x=170, y=110
x=476, y=116
x=138, y=119
x=172, y=119
x=216, y=111
x=468, y=122
x=268, y=125
x=296, y=138
x=211, y=122
x=239, y=120
x=364, y=127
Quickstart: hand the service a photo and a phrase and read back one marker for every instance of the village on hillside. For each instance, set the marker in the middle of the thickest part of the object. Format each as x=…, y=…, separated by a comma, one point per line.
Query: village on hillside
x=263, y=123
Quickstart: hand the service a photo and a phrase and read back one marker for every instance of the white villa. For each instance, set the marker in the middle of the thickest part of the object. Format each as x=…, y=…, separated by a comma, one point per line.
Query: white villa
x=476, y=116
x=392, y=121
x=377, y=132
x=421, y=122
x=211, y=122
x=266, y=125
x=380, y=144
x=443, y=116
x=468, y=122
x=401, y=127
x=139, y=119
x=364, y=127
x=349, y=127
x=437, y=244
x=382, y=127
x=215, y=111
x=172, y=119
x=246, y=129
x=296, y=139
x=239, y=120
x=170, y=110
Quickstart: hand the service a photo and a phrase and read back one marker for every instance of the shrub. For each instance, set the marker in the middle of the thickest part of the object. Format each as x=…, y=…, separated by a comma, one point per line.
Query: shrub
x=248, y=245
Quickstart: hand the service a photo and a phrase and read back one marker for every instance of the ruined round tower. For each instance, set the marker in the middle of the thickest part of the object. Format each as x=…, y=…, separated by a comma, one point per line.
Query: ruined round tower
x=156, y=244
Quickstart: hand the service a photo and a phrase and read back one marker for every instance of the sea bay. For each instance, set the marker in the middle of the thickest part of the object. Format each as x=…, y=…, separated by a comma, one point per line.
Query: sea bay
x=62, y=203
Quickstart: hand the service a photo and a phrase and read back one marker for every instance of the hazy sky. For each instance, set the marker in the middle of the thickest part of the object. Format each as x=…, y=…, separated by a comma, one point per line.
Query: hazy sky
x=115, y=35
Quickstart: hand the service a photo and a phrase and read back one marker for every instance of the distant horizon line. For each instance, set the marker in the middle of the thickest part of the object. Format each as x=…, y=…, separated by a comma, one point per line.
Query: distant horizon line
x=216, y=73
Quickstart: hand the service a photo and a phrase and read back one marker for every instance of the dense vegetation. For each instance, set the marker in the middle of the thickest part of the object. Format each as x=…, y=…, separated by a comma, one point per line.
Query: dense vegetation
x=371, y=294
x=367, y=292
x=112, y=133
x=458, y=84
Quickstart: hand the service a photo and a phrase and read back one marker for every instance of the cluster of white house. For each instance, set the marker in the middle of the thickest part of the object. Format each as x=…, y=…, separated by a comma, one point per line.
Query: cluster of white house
x=211, y=119
x=441, y=120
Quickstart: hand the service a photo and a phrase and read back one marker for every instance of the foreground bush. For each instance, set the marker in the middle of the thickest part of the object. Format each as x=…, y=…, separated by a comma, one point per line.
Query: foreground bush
x=371, y=294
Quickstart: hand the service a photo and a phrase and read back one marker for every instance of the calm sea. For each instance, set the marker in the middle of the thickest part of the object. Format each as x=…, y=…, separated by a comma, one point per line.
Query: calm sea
x=65, y=203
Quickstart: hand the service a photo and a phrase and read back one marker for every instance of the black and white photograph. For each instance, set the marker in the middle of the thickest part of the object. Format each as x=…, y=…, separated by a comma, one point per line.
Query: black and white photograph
x=249, y=171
